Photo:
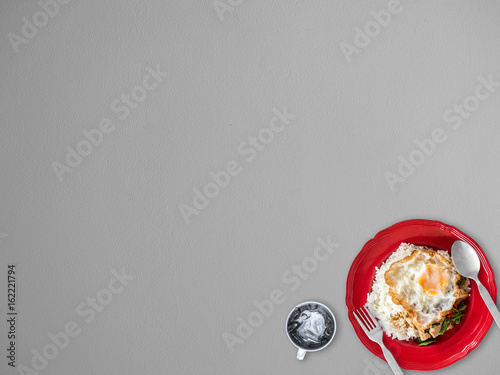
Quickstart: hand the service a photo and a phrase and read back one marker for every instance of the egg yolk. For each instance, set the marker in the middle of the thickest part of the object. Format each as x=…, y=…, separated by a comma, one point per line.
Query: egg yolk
x=433, y=280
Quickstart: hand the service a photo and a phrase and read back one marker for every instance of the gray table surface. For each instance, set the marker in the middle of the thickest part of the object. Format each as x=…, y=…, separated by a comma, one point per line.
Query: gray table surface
x=359, y=97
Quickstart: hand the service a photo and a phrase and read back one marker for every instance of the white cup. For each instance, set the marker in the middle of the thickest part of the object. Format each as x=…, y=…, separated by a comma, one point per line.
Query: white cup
x=303, y=349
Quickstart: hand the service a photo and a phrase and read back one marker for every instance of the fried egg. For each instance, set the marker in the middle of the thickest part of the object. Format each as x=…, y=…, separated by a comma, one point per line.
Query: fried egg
x=425, y=283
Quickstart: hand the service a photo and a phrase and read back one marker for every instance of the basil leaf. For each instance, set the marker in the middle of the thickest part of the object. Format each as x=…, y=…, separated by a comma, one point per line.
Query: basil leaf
x=435, y=325
x=458, y=317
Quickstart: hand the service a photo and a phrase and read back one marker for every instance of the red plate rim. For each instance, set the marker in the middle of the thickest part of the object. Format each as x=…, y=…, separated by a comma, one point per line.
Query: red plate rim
x=488, y=281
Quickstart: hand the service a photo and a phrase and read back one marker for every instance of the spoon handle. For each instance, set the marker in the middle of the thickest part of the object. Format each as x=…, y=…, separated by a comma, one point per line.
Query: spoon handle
x=489, y=302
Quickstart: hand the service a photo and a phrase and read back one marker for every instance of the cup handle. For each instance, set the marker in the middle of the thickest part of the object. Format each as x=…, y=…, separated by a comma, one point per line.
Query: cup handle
x=301, y=354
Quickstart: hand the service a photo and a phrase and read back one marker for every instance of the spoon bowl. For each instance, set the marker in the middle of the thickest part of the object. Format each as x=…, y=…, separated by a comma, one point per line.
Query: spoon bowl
x=465, y=259
x=467, y=264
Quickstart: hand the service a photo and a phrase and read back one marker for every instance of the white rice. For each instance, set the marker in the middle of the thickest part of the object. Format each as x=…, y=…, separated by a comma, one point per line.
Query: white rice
x=380, y=302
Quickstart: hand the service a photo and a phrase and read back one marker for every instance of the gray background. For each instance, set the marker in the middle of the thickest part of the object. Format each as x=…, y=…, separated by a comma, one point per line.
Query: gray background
x=323, y=175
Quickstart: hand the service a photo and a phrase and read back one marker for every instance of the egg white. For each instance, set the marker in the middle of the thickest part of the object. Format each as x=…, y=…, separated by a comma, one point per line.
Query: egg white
x=427, y=303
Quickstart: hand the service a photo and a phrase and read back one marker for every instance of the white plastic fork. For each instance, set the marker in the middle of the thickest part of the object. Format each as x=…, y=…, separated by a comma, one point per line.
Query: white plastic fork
x=372, y=329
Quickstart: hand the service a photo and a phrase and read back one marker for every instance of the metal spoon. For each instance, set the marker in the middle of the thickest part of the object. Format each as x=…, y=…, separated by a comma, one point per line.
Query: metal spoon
x=467, y=263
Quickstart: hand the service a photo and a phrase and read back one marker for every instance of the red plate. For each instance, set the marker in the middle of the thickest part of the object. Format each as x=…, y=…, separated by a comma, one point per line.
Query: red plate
x=455, y=343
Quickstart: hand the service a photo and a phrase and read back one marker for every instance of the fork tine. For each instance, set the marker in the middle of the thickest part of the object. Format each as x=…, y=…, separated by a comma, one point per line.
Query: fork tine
x=366, y=318
x=371, y=316
x=361, y=324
